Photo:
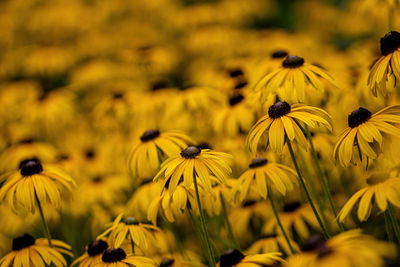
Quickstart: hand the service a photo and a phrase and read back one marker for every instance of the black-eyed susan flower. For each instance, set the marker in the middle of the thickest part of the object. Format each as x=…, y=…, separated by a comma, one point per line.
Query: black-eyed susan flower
x=116, y=257
x=33, y=183
x=272, y=243
x=385, y=73
x=205, y=164
x=379, y=189
x=93, y=254
x=284, y=121
x=295, y=218
x=234, y=118
x=262, y=175
x=235, y=258
x=293, y=78
x=347, y=249
x=170, y=206
x=28, y=251
x=359, y=141
x=154, y=146
x=129, y=228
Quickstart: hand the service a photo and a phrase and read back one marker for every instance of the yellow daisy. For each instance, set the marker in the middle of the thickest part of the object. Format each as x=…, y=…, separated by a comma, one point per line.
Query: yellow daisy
x=348, y=249
x=33, y=183
x=116, y=257
x=234, y=118
x=293, y=78
x=140, y=234
x=92, y=255
x=378, y=191
x=204, y=163
x=172, y=205
x=27, y=251
x=235, y=258
x=284, y=121
x=365, y=130
x=146, y=156
x=295, y=217
x=385, y=72
x=262, y=175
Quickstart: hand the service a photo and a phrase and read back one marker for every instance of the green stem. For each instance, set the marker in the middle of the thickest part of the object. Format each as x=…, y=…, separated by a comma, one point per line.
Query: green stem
x=228, y=223
x=323, y=180
x=203, y=225
x=133, y=247
x=280, y=223
x=325, y=231
x=388, y=229
x=395, y=223
x=45, y=227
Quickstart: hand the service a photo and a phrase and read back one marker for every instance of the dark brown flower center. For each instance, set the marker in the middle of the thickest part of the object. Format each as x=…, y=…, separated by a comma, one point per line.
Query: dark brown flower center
x=358, y=116
x=149, y=135
x=240, y=84
x=118, y=95
x=90, y=153
x=235, y=72
x=22, y=242
x=258, y=162
x=317, y=244
x=293, y=62
x=130, y=221
x=278, y=110
x=97, y=247
x=230, y=258
x=236, y=99
x=390, y=42
x=279, y=54
x=113, y=255
x=167, y=262
x=190, y=152
x=249, y=203
x=291, y=206
x=30, y=167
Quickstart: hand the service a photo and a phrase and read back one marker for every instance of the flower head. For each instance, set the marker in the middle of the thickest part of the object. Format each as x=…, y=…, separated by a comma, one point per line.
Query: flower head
x=263, y=175
x=386, y=71
x=146, y=156
x=206, y=164
x=284, y=121
x=364, y=130
x=35, y=180
x=92, y=255
x=293, y=78
x=117, y=257
x=28, y=251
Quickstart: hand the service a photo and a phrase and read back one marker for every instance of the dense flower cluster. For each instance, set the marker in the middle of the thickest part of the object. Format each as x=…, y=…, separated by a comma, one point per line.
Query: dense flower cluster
x=171, y=133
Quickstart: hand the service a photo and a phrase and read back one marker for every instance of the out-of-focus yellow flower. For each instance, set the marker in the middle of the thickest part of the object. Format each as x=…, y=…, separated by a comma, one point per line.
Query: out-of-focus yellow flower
x=235, y=258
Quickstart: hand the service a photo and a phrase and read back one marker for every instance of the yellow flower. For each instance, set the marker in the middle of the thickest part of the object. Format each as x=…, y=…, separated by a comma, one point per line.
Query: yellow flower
x=141, y=234
x=204, y=163
x=263, y=175
x=364, y=130
x=146, y=157
x=235, y=118
x=235, y=258
x=347, y=249
x=26, y=252
x=171, y=205
x=116, y=257
x=284, y=121
x=93, y=254
x=293, y=78
x=33, y=182
x=272, y=243
x=385, y=73
x=294, y=217
x=380, y=192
